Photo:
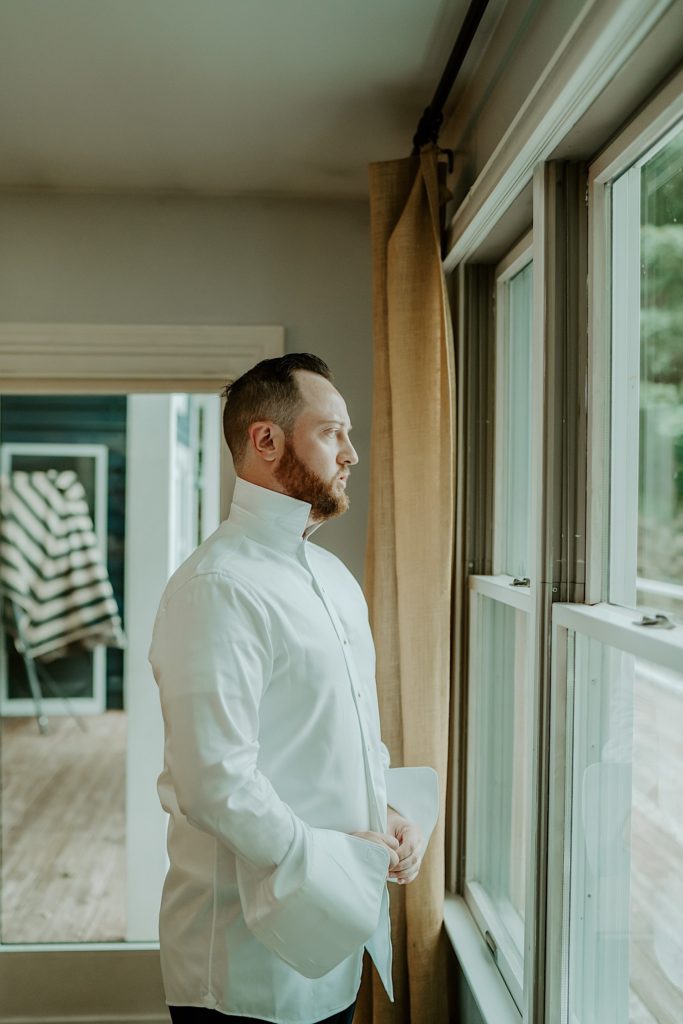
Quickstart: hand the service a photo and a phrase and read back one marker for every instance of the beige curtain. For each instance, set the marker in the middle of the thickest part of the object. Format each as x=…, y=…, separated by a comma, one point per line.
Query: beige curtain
x=410, y=544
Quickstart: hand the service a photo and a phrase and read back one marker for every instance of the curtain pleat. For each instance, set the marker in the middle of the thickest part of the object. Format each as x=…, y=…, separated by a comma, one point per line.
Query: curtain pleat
x=410, y=549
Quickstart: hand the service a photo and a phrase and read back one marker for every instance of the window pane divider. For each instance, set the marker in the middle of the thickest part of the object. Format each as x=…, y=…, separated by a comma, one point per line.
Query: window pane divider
x=499, y=588
x=616, y=627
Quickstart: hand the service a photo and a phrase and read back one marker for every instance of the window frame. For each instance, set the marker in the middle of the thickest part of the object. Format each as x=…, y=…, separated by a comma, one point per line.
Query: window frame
x=498, y=587
x=556, y=559
x=612, y=626
x=607, y=615
x=652, y=124
x=511, y=966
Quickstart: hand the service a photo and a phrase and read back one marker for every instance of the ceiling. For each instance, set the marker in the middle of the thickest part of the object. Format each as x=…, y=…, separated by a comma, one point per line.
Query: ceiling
x=278, y=97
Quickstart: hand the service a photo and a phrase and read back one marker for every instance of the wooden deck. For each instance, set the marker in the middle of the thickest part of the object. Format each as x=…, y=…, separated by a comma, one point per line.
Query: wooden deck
x=656, y=897
x=63, y=830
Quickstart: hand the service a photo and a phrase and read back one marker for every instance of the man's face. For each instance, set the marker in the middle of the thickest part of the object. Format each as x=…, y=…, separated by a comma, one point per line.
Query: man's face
x=318, y=454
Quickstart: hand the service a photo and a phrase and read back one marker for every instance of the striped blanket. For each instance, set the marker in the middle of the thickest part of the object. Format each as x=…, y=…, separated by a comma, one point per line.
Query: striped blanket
x=51, y=566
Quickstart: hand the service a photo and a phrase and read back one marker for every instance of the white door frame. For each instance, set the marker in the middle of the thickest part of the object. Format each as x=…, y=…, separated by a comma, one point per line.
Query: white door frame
x=108, y=359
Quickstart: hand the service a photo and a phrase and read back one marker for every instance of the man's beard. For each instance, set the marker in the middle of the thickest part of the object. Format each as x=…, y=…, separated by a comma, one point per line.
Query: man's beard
x=301, y=482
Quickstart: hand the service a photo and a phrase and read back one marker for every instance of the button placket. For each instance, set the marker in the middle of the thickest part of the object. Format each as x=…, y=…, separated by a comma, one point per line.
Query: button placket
x=356, y=688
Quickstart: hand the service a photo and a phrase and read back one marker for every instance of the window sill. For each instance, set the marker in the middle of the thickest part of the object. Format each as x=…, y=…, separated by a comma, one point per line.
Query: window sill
x=489, y=991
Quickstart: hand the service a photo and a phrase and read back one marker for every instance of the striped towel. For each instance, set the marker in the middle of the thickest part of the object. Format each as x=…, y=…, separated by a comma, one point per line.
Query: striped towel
x=51, y=566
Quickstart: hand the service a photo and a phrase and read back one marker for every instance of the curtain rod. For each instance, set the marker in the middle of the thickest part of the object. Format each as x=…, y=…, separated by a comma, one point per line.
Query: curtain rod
x=430, y=123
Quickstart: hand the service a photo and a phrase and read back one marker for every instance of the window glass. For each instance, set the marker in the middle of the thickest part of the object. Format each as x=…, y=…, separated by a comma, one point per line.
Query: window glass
x=500, y=761
x=626, y=887
x=660, y=456
x=517, y=435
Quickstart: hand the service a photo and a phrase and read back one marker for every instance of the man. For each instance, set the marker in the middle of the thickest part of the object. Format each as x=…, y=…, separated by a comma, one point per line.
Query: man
x=280, y=839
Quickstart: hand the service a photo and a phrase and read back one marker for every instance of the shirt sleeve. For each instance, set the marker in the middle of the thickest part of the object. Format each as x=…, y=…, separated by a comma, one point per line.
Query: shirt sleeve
x=212, y=658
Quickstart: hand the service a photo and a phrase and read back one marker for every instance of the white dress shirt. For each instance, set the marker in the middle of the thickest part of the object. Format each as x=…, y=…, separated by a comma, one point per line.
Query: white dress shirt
x=265, y=664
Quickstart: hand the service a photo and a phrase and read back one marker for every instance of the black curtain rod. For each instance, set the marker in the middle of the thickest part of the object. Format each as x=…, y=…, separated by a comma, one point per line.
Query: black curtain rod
x=430, y=123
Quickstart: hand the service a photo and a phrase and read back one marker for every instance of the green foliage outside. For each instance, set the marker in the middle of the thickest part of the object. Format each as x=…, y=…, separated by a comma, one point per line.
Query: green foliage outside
x=660, y=555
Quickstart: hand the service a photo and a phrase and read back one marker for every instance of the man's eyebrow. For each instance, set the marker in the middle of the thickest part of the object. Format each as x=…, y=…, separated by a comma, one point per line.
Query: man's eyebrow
x=336, y=423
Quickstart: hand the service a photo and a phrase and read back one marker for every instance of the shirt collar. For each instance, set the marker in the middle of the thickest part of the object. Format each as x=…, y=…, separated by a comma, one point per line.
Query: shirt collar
x=270, y=516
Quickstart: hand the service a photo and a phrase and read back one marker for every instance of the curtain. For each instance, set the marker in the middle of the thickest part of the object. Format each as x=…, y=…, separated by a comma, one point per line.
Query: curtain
x=410, y=548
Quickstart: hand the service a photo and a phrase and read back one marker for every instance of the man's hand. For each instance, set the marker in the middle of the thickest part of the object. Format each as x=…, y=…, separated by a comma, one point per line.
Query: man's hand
x=383, y=839
x=410, y=849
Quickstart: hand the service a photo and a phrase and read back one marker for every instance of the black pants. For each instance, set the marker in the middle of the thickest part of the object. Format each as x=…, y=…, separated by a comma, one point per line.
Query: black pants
x=197, y=1015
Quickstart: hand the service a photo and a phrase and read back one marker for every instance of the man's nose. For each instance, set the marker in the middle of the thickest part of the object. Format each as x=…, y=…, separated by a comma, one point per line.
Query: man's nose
x=349, y=454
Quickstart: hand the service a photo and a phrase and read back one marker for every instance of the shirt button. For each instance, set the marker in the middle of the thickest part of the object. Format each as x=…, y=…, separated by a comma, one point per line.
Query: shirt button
x=358, y=693
x=345, y=642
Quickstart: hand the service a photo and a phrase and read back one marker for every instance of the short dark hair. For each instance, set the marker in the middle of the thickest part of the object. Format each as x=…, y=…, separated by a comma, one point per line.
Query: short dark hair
x=268, y=391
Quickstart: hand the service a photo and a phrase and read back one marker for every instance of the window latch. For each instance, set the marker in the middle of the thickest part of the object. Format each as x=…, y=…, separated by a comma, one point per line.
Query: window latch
x=657, y=621
x=521, y=581
x=491, y=943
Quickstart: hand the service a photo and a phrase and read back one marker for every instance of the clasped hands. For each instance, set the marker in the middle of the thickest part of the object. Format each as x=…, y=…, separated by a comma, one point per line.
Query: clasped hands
x=405, y=844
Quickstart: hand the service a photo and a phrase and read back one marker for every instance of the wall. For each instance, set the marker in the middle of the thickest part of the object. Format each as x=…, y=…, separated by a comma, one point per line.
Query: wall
x=177, y=259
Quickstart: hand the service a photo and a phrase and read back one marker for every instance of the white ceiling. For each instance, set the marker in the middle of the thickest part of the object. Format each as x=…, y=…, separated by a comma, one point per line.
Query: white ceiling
x=215, y=96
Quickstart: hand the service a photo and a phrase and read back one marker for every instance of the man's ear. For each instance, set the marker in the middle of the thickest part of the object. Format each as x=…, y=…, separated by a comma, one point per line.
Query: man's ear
x=267, y=440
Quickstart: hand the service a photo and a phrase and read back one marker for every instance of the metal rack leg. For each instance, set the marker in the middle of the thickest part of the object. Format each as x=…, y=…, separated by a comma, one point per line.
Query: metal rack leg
x=36, y=692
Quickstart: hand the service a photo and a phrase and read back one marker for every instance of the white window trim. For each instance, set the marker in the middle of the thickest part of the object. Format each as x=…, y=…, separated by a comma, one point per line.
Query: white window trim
x=506, y=957
x=488, y=989
x=42, y=358
x=619, y=627
x=516, y=259
x=499, y=588
x=652, y=124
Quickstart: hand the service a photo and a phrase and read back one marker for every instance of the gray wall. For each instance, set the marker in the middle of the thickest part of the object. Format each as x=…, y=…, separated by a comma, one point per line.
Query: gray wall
x=175, y=259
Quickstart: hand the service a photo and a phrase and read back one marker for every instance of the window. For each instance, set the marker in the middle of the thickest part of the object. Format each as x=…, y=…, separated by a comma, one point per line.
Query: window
x=620, y=661
x=647, y=297
x=624, y=900
x=499, y=773
x=501, y=705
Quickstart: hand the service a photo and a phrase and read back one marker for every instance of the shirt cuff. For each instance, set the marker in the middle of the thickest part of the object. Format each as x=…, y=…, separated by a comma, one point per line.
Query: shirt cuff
x=414, y=793
x=321, y=903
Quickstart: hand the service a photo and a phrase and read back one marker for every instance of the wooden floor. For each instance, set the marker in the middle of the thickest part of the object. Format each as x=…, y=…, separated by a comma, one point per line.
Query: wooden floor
x=63, y=830
x=63, y=841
